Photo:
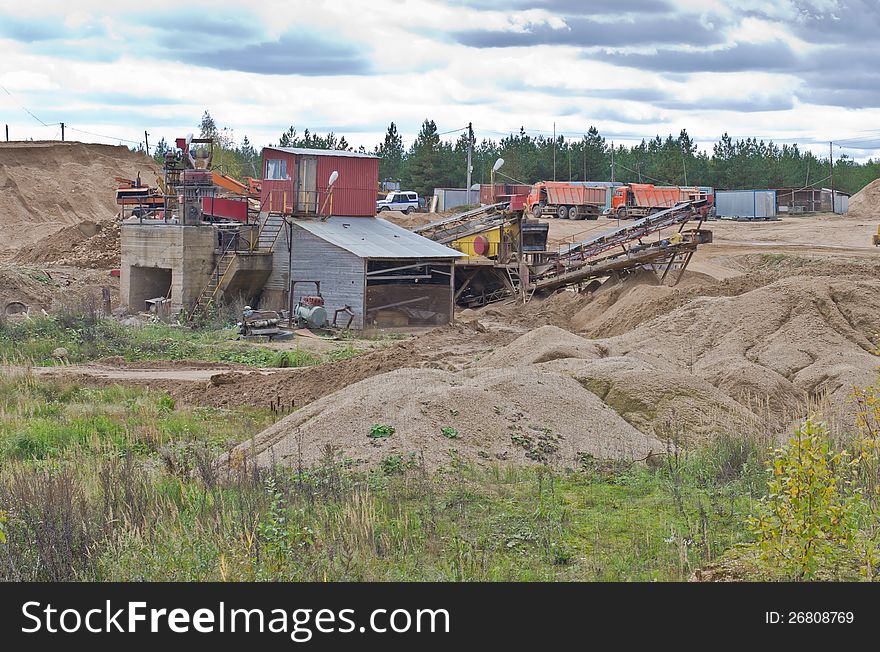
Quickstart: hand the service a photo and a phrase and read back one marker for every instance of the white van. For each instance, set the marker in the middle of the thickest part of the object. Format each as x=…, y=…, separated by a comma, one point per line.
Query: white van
x=405, y=202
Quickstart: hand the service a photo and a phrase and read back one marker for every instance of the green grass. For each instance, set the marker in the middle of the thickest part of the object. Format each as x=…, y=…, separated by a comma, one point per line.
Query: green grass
x=33, y=341
x=116, y=484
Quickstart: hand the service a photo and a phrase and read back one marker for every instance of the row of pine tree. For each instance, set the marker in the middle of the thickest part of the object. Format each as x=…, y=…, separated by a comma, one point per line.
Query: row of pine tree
x=433, y=162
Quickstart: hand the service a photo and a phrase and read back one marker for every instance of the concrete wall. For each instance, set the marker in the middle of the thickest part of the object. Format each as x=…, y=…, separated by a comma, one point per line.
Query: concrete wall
x=188, y=251
x=340, y=272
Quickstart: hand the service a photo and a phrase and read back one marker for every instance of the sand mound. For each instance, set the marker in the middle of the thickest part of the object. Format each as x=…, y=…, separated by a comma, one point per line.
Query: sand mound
x=93, y=245
x=707, y=363
x=410, y=221
x=543, y=345
x=45, y=186
x=524, y=416
x=795, y=341
x=866, y=202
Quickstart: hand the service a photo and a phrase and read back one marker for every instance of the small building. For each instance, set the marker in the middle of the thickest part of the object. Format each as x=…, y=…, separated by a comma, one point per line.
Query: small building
x=296, y=181
x=810, y=200
x=449, y=198
x=387, y=276
x=745, y=204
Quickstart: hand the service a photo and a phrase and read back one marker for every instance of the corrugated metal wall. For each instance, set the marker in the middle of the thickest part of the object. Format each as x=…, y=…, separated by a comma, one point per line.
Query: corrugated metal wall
x=275, y=189
x=354, y=193
x=341, y=273
x=454, y=197
x=745, y=203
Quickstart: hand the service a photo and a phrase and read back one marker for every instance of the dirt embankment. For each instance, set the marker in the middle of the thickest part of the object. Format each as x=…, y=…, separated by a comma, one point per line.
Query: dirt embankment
x=88, y=245
x=45, y=186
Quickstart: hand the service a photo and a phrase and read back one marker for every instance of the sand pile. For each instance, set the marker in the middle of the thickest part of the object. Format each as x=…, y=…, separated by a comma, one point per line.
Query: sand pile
x=797, y=336
x=410, y=221
x=866, y=202
x=45, y=186
x=711, y=361
x=92, y=245
x=490, y=415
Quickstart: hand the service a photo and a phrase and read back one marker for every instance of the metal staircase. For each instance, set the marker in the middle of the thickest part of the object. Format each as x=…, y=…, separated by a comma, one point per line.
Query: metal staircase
x=270, y=226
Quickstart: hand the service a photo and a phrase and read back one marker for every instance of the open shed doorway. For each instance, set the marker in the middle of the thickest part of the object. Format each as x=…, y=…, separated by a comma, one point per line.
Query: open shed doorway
x=406, y=294
x=148, y=283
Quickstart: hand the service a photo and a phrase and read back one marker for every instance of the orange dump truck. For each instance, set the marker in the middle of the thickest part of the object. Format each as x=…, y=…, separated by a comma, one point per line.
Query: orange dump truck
x=565, y=200
x=641, y=199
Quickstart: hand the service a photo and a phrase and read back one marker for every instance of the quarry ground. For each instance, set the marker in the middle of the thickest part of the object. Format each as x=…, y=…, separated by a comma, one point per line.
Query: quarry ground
x=771, y=320
x=620, y=434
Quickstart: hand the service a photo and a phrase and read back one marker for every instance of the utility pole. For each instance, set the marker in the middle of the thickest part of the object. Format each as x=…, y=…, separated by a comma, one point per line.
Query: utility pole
x=831, y=165
x=569, y=162
x=554, y=151
x=62, y=132
x=147, y=141
x=7, y=133
x=470, y=156
x=612, y=161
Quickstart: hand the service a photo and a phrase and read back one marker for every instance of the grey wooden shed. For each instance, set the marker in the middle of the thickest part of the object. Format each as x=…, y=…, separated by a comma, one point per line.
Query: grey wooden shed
x=387, y=276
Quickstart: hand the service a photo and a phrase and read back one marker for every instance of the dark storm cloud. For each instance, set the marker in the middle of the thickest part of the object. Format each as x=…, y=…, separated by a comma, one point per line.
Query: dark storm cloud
x=765, y=57
x=292, y=54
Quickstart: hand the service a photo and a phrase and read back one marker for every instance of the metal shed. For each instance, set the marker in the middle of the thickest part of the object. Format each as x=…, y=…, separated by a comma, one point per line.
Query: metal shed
x=295, y=181
x=746, y=204
x=389, y=277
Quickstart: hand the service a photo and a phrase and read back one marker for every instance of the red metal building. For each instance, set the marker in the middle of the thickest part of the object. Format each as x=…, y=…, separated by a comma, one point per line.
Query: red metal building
x=295, y=181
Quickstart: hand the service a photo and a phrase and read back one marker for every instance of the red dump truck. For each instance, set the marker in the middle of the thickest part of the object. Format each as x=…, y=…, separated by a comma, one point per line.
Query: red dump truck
x=641, y=199
x=565, y=200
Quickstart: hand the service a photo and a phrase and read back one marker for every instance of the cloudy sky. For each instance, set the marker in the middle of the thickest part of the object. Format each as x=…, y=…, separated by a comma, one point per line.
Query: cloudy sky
x=787, y=70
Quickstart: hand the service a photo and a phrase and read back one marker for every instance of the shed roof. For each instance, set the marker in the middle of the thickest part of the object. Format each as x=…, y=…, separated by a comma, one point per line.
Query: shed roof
x=373, y=237
x=304, y=151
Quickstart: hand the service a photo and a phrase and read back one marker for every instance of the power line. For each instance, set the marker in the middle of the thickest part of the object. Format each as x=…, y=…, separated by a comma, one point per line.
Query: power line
x=25, y=109
x=122, y=140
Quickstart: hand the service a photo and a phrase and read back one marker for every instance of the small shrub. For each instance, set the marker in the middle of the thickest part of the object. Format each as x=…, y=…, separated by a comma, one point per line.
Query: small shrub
x=380, y=431
x=809, y=519
x=449, y=432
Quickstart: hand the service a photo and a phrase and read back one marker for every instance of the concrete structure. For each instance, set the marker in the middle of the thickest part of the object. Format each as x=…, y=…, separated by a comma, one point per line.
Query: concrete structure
x=387, y=276
x=176, y=261
x=745, y=204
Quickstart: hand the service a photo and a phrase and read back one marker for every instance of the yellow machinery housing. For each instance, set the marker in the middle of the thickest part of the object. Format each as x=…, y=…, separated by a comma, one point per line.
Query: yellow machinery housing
x=496, y=242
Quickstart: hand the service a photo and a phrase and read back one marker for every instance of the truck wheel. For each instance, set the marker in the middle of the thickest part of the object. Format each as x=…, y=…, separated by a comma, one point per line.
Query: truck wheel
x=621, y=213
x=562, y=212
x=536, y=211
x=383, y=208
x=409, y=209
x=573, y=213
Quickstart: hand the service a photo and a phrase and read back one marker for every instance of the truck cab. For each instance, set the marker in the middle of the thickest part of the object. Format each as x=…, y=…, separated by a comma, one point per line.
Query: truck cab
x=621, y=198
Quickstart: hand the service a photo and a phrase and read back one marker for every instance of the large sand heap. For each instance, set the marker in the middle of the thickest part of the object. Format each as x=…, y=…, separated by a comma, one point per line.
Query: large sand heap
x=520, y=415
x=708, y=363
x=866, y=202
x=45, y=186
